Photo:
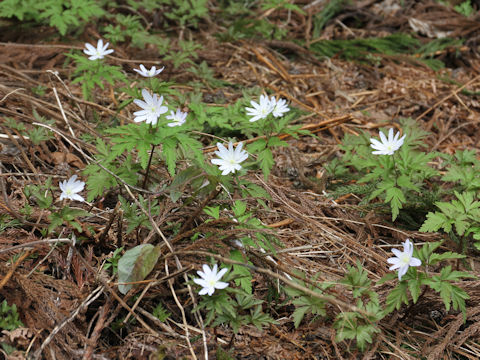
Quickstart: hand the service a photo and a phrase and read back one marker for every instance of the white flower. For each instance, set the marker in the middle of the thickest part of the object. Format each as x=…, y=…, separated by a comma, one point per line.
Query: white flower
x=70, y=189
x=152, y=108
x=99, y=52
x=148, y=73
x=279, y=106
x=210, y=280
x=387, y=146
x=403, y=260
x=230, y=159
x=178, y=118
x=261, y=110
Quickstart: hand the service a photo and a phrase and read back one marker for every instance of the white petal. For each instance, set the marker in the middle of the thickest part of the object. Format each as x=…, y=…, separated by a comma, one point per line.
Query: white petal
x=390, y=135
x=221, y=285
x=77, y=197
x=397, y=252
x=383, y=138
x=415, y=262
x=221, y=273
x=203, y=291
x=148, y=98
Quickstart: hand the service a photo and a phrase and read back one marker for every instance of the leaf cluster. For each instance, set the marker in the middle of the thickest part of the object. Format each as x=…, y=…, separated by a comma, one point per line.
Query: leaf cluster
x=355, y=325
x=396, y=177
x=461, y=214
x=9, y=317
x=91, y=73
x=241, y=310
x=413, y=281
x=61, y=14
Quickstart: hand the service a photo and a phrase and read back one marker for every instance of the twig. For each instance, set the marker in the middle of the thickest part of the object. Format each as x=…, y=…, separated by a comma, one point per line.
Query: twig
x=453, y=93
x=63, y=112
x=32, y=243
x=182, y=310
x=13, y=268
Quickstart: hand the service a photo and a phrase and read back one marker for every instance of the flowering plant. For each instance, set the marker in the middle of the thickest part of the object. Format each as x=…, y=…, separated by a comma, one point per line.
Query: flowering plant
x=71, y=188
x=403, y=259
x=229, y=159
x=210, y=279
x=98, y=52
x=148, y=73
x=151, y=108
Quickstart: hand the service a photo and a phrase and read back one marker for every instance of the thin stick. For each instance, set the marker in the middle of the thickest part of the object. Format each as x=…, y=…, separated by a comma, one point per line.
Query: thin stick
x=32, y=243
x=14, y=267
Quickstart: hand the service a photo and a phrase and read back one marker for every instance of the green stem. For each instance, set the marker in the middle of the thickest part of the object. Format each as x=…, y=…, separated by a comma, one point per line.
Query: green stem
x=395, y=169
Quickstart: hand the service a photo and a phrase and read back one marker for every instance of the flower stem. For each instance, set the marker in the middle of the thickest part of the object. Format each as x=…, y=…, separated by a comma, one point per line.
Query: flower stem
x=144, y=186
x=395, y=169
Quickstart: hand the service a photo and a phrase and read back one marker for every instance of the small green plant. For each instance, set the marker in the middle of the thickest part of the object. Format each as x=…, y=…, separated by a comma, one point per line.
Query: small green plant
x=465, y=8
x=399, y=175
x=161, y=313
x=414, y=281
x=354, y=324
x=112, y=261
x=62, y=14
x=91, y=73
x=307, y=304
x=461, y=215
x=9, y=318
x=235, y=308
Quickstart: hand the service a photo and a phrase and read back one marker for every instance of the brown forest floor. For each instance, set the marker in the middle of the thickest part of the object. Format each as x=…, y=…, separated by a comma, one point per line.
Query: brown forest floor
x=319, y=236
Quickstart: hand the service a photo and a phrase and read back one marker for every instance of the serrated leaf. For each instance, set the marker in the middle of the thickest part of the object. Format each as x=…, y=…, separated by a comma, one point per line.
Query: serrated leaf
x=243, y=276
x=169, y=152
x=397, y=297
x=257, y=145
x=266, y=161
x=136, y=264
x=414, y=287
x=396, y=198
x=298, y=315
x=436, y=221
x=275, y=141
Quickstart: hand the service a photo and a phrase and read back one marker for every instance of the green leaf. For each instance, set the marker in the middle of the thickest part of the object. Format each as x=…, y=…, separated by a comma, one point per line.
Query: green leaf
x=396, y=198
x=414, y=287
x=213, y=211
x=299, y=314
x=266, y=161
x=275, y=141
x=451, y=295
x=257, y=146
x=136, y=264
x=170, y=154
x=435, y=221
x=397, y=297
x=243, y=277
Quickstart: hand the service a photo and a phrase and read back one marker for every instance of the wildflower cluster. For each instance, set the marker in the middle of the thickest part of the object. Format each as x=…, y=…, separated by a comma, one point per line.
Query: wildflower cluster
x=267, y=106
x=229, y=159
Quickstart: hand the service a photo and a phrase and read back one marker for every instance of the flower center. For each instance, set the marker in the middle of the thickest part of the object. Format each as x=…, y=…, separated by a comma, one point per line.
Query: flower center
x=153, y=109
x=211, y=282
x=405, y=259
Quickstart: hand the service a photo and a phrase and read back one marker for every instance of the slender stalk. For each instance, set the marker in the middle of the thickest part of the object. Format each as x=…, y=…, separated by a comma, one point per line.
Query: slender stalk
x=144, y=186
x=395, y=169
